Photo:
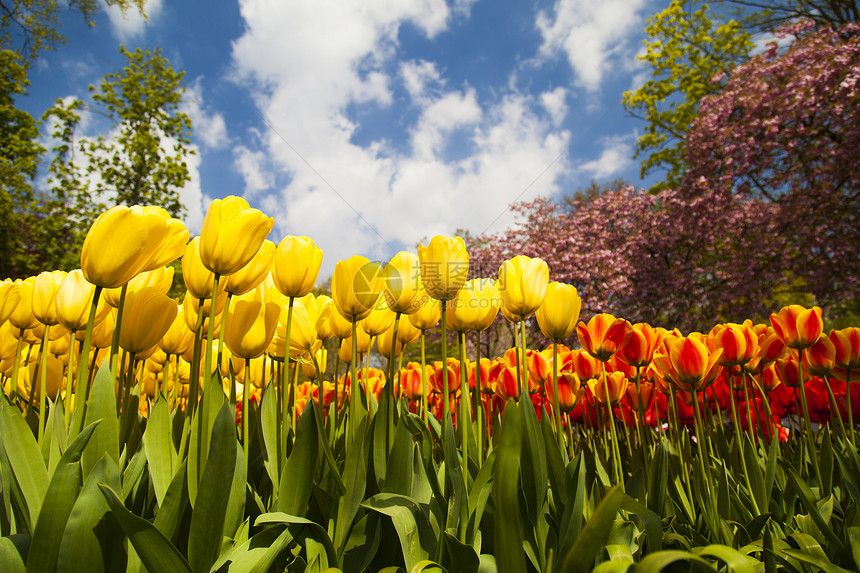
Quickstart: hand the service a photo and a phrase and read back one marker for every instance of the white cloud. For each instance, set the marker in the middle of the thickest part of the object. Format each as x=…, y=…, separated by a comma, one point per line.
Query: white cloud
x=307, y=62
x=209, y=128
x=555, y=103
x=131, y=23
x=614, y=158
x=592, y=35
x=252, y=166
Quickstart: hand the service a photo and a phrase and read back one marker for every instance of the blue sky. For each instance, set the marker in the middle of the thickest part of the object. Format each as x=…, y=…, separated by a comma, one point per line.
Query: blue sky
x=369, y=126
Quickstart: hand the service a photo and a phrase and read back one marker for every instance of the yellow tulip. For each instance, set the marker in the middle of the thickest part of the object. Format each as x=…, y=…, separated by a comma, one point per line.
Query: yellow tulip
x=303, y=331
x=251, y=275
x=146, y=317
x=475, y=307
x=340, y=327
x=427, y=316
x=198, y=279
x=191, y=307
x=324, y=311
x=250, y=327
x=161, y=277
x=406, y=332
x=179, y=338
x=383, y=343
x=44, y=296
x=355, y=287
x=523, y=283
x=379, y=320
x=444, y=266
x=232, y=234
x=54, y=378
x=9, y=299
x=22, y=316
x=173, y=242
x=120, y=244
x=296, y=266
x=309, y=370
x=404, y=292
x=559, y=313
x=73, y=300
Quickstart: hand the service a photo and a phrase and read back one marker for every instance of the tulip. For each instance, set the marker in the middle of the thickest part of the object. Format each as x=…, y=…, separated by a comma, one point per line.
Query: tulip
x=340, y=326
x=355, y=287
x=250, y=327
x=147, y=316
x=738, y=343
x=199, y=281
x=558, y=314
x=44, y=294
x=444, y=266
x=403, y=290
x=324, y=308
x=846, y=343
x=251, y=275
x=427, y=316
x=73, y=300
x=231, y=235
x=303, y=334
x=120, y=244
x=797, y=326
x=380, y=319
x=161, y=277
x=9, y=299
x=569, y=388
x=474, y=307
x=296, y=266
x=690, y=364
x=603, y=335
x=609, y=389
x=179, y=338
x=523, y=283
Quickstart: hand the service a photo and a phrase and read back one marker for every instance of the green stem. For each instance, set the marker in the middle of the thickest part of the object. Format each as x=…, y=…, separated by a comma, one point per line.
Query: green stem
x=245, y=436
x=517, y=360
x=465, y=416
x=616, y=451
x=13, y=385
x=353, y=385
x=480, y=398
x=81, y=405
x=833, y=406
x=424, y=390
x=810, y=438
x=194, y=382
x=555, y=405
x=391, y=382
x=446, y=407
x=114, y=345
x=285, y=383
x=43, y=382
x=848, y=405
x=712, y=521
x=69, y=380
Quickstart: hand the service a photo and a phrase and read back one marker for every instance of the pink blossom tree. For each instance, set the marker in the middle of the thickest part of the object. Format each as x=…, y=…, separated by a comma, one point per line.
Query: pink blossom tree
x=786, y=131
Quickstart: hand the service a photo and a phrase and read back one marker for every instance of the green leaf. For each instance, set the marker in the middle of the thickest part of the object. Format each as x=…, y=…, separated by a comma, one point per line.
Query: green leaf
x=269, y=423
x=26, y=461
x=317, y=532
x=175, y=500
x=101, y=406
x=463, y=557
x=734, y=560
x=755, y=475
x=821, y=563
x=158, y=445
x=508, y=521
x=10, y=559
x=533, y=468
x=807, y=500
x=398, y=477
x=155, y=551
x=403, y=512
x=355, y=479
x=593, y=537
x=259, y=553
x=59, y=501
x=207, y=519
x=658, y=477
x=298, y=475
x=555, y=465
x=651, y=521
x=854, y=543
x=656, y=562
x=85, y=547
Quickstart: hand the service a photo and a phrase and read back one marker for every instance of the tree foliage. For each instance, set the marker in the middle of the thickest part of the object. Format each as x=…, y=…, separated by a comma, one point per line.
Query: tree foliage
x=786, y=129
x=687, y=48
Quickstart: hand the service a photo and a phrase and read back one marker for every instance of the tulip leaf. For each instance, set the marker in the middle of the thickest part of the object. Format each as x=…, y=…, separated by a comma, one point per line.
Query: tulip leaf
x=462, y=555
x=658, y=477
x=533, y=467
x=399, y=474
x=593, y=537
x=175, y=499
x=555, y=465
x=258, y=553
x=10, y=559
x=158, y=445
x=656, y=562
x=268, y=421
x=508, y=521
x=298, y=524
x=154, y=550
x=820, y=563
x=57, y=506
x=86, y=547
x=101, y=406
x=478, y=496
x=650, y=520
x=826, y=462
x=416, y=538
x=734, y=560
x=207, y=519
x=25, y=459
x=298, y=474
x=807, y=501
x=355, y=479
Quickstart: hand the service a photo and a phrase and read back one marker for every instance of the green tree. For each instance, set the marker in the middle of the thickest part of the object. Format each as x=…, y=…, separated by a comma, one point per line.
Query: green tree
x=690, y=48
x=143, y=161
x=31, y=26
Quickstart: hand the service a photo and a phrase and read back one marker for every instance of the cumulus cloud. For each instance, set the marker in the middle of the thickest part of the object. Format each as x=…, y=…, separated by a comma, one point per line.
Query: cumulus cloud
x=131, y=23
x=209, y=127
x=309, y=63
x=592, y=35
x=615, y=157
